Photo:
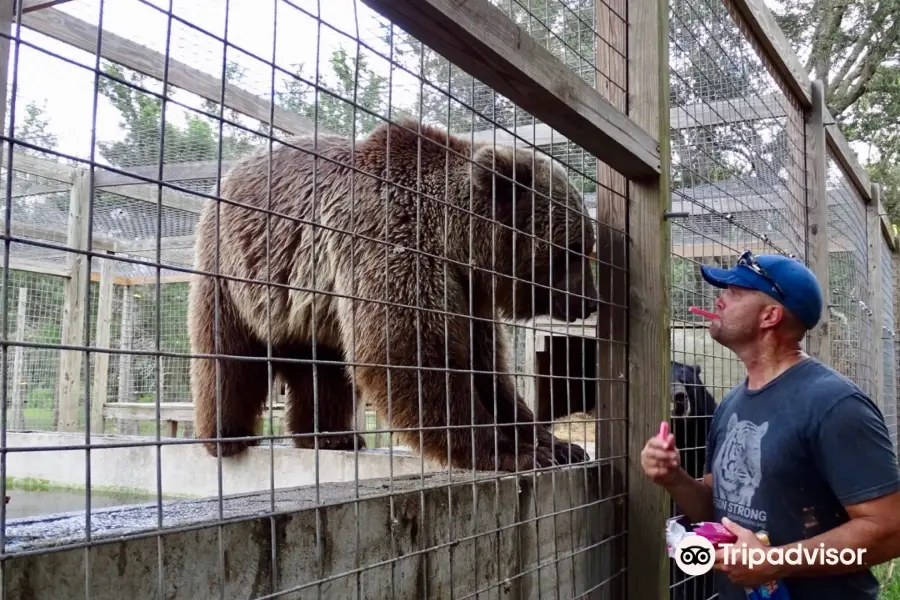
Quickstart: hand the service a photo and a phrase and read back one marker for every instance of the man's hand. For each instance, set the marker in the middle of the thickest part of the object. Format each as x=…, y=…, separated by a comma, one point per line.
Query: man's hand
x=660, y=459
x=749, y=547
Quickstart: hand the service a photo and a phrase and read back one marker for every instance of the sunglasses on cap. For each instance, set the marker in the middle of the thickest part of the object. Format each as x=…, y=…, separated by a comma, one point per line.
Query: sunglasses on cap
x=748, y=260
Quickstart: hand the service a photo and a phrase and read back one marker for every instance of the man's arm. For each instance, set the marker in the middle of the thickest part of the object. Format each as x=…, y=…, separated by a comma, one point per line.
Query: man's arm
x=873, y=530
x=852, y=449
x=693, y=497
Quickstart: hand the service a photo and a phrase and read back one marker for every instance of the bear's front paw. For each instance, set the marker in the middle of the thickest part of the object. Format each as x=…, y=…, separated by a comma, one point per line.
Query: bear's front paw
x=527, y=458
x=567, y=453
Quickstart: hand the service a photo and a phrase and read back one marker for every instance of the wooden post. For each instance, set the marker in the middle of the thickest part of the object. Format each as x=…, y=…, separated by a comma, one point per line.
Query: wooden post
x=99, y=390
x=873, y=220
x=895, y=269
x=649, y=340
x=126, y=331
x=819, y=339
x=68, y=386
x=17, y=418
x=7, y=14
x=610, y=438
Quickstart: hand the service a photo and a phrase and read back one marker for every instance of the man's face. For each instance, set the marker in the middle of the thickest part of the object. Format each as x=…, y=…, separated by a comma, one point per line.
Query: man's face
x=739, y=311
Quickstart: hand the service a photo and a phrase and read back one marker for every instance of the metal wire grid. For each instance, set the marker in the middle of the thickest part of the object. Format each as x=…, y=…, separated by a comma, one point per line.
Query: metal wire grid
x=738, y=163
x=738, y=179
x=888, y=340
x=850, y=323
x=156, y=337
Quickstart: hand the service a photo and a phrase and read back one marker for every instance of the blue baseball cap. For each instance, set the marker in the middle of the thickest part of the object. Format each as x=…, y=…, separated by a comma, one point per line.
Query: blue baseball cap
x=785, y=279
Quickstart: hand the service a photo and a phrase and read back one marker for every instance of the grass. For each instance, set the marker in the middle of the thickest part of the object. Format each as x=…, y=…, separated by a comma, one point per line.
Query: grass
x=890, y=579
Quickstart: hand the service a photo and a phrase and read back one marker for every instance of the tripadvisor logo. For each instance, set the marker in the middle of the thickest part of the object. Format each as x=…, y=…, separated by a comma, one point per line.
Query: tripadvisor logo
x=695, y=555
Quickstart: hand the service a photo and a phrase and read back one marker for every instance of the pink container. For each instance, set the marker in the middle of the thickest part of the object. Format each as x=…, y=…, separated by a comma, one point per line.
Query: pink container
x=715, y=533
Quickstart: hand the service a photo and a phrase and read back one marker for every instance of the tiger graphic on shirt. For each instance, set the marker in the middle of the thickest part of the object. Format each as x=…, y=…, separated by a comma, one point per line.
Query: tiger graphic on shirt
x=737, y=468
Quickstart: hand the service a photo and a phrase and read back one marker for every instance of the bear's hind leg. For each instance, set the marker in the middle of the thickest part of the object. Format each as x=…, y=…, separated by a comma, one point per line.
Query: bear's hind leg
x=333, y=392
x=243, y=383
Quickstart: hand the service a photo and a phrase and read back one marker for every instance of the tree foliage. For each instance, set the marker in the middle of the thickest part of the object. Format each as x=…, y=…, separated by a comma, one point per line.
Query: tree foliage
x=853, y=47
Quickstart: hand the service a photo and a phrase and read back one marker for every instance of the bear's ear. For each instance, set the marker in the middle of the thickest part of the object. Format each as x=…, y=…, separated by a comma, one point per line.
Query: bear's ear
x=496, y=168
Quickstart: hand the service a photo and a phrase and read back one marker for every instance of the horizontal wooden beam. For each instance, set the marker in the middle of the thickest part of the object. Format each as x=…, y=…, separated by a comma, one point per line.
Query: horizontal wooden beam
x=181, y=242
x=189, y=171
x=702, y=114
x=24, y=189
x=732, y=110
x=492, y=48
x=46, y=234
x=149, y=193
x=777, y=49
x=71, y=30
x=36, y=165
x=713, y=249
x=33, y=5
x=145, y=411
x=775, y=46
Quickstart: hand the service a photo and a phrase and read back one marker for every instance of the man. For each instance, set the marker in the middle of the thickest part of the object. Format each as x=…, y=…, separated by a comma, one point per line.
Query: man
x=796, y=450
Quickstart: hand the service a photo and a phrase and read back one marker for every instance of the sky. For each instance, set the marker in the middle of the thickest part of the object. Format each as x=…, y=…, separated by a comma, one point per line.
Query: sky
x=68, y=90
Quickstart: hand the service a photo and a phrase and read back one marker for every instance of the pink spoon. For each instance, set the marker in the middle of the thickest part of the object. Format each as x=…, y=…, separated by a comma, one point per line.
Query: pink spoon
x=703, y=313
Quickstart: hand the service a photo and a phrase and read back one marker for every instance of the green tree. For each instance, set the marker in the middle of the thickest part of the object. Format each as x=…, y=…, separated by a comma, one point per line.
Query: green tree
x=34, y=128
x=853, y=46
x=351, y=80
x=141, y=119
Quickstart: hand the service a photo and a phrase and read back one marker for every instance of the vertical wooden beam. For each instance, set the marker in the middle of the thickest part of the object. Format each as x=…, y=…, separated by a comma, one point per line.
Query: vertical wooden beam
x=895, y=269
x=819, y=339
x=610, y=437
x=126, y=331
x=7, y=14
x=17, y=418
x=649, y=343
x=68, y=386
x=873, y=220
x=99, y=390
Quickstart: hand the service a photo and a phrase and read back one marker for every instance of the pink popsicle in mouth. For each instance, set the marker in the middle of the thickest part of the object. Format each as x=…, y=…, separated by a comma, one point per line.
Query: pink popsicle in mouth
x=703, y=313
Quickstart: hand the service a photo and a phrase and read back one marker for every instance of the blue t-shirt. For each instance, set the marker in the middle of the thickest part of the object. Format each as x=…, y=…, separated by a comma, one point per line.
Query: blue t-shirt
x=786, y=458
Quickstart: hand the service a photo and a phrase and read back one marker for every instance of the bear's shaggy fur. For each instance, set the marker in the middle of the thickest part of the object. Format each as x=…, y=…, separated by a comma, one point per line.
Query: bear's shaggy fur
x=386, y=275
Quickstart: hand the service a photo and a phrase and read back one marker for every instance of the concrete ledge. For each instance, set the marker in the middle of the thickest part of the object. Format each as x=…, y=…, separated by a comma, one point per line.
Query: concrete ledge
x=436, y=536
x=188, y=471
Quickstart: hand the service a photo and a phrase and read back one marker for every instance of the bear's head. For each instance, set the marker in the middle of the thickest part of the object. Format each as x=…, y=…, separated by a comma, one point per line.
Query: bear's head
x=544, y=230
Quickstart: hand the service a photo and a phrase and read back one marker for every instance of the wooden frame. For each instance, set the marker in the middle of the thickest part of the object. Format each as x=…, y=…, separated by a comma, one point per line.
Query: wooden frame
x=648, y=298
x=630, y=136
x=493, y=49
x=819, y=339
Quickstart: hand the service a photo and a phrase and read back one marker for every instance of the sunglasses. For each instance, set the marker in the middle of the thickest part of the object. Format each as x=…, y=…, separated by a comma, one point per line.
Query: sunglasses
x=748, y=260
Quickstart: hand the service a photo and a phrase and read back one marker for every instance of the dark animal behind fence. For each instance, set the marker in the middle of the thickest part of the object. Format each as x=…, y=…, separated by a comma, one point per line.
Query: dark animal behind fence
x=692, y=410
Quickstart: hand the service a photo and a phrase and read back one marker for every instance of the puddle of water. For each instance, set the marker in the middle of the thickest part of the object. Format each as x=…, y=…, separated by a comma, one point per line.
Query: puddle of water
x=35, y=503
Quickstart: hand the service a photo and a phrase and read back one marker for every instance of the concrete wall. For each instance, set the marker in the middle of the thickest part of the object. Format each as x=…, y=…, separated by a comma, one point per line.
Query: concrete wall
x=187, y=470
x=512, y=538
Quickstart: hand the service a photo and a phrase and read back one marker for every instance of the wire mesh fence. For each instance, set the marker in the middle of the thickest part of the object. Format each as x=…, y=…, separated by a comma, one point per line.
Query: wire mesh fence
x=888, y=339
x=193, y=292
x=325, y=261
x=850, y=323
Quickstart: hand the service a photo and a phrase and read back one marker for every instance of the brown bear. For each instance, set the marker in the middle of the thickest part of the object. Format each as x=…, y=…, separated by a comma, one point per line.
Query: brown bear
x=403, y=249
